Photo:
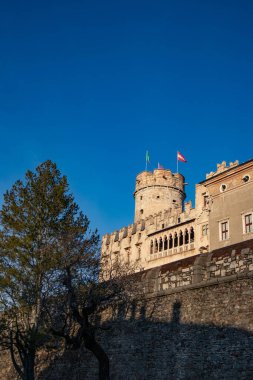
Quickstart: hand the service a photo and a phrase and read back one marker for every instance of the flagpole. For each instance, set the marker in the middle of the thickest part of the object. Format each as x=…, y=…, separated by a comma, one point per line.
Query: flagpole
x=147, y=159
x=177, y=162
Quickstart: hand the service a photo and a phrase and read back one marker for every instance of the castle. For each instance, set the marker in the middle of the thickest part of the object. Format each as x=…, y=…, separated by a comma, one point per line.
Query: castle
x=167, y=229
x=194, y=316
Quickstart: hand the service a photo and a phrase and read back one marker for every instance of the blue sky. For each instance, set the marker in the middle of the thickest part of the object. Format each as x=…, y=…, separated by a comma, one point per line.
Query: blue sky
x=92, y=84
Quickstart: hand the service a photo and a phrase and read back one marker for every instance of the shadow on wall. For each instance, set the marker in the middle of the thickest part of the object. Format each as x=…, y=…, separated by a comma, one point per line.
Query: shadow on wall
x=142, y=349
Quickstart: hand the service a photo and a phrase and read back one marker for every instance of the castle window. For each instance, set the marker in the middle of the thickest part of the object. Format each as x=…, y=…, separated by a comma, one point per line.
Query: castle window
x=248, y=223
x=157, y=196
x=170, y=242
x=160, y=244
x=156, y=246
x=186, y=236
x=224, y=230
x=141, y=211
x=139, y=254
x=141, y=197
x=175, y=240
x=223, y=188
x=246, y=178
x=206, y=200
x=165, y=244
x=178, y=220
x=204, y=229
x=151, y=247
x=181, y=239
x=191, y=235
x=163, y=225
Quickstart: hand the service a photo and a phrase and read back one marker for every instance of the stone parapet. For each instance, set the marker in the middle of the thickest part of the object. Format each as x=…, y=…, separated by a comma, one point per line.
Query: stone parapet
x=152, y=224
x=222, y=168
x=227, y=264
x=159, y=177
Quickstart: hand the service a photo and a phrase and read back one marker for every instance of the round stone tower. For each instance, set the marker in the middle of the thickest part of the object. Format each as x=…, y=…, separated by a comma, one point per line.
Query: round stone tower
x=158, y=191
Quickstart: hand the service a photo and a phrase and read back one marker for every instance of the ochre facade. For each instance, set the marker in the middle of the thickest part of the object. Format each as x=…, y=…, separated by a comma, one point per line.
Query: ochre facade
x=167, y=229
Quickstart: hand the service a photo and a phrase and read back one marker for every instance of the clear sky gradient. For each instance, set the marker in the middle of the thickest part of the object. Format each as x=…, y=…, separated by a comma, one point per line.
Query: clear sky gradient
x=92, y=84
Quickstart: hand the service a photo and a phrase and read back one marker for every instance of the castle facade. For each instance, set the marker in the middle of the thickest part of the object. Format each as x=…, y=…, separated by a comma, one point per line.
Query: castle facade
x=167, y=229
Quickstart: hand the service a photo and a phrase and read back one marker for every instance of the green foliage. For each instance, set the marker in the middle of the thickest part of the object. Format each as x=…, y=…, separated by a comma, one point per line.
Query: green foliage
x=42, y=233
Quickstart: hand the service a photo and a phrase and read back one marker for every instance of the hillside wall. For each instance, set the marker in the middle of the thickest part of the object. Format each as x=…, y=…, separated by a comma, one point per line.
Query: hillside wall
x=195, y=322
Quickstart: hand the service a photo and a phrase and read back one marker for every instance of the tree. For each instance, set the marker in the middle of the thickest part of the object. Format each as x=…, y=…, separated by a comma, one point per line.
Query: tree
x=45, y=245
x=76, y=318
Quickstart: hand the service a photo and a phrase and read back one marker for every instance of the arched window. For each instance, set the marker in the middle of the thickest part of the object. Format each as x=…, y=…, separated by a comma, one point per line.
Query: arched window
x=151, y=247
x=170, y=242
x=160, y=244
x=175, y=240
x=186, y=236
x=156, y=246
x=165, y=243
x=181, y=238
x=191, y=235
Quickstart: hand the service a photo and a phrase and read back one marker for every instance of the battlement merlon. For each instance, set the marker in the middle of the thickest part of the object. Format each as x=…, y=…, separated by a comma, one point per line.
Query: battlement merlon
x=222, y=168
x=152, y=223
x=159, y=177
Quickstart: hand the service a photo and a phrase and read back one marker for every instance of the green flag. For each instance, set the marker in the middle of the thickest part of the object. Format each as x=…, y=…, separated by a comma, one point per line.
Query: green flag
x=147, y=157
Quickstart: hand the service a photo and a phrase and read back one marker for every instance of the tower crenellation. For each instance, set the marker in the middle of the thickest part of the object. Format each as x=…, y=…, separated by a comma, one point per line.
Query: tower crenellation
x=137, y=233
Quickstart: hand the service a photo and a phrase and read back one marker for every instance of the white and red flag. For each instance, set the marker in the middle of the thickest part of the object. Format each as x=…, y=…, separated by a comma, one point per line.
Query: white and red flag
x=180, y=157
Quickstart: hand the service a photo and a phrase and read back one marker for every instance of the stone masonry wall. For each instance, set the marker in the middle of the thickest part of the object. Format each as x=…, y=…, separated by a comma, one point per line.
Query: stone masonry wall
x=195, y=322
x=229, y=263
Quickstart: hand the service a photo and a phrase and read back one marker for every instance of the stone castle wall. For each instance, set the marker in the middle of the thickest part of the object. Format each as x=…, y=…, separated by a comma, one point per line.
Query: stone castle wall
x=222, y=265
x=194, y=322
x=160, y=211
x=160, y=216
x=133, y=243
